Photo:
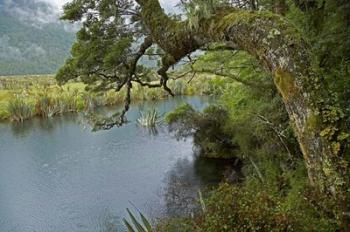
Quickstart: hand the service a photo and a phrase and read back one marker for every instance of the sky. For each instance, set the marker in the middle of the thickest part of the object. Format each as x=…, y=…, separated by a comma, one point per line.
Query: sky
x=56, y=3
x=166, y=4
x=23, y=10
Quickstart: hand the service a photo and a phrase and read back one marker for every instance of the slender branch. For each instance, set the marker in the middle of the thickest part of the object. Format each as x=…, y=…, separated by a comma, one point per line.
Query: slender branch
x=256, y=168
x=127, y=102
x=277, y=132
x=127, y=80
x=144, y=46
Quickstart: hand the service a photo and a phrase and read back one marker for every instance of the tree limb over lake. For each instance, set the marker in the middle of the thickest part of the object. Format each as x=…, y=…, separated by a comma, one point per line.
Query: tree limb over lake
x=105, y=52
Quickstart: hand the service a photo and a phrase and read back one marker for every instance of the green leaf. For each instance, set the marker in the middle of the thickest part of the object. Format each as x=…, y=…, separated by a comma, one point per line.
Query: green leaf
x=135, y=222
x=127, y=224
x=146, y=223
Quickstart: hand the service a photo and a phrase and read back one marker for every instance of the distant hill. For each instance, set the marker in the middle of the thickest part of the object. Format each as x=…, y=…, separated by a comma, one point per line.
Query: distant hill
x=32, y=39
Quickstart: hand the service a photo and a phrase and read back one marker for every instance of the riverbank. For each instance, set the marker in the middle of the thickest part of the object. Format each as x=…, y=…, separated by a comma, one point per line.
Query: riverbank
x=24, y=97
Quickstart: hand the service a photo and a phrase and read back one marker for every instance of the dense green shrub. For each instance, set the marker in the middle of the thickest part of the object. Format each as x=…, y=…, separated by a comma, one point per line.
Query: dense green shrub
x=207, y=128
x=241, y=208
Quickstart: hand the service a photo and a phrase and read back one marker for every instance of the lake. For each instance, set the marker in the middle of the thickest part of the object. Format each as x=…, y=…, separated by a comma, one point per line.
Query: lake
x=57, y=175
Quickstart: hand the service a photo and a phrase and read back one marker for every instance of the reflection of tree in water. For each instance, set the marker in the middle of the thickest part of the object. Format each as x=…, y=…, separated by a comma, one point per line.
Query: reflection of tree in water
x=180, y=194
x=149, y=131
x=211, y=171
x=23, y=129
x=187, y=178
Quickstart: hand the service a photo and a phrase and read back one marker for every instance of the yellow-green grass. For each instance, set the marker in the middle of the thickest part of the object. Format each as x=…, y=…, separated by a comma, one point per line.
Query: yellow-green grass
x=46, y=98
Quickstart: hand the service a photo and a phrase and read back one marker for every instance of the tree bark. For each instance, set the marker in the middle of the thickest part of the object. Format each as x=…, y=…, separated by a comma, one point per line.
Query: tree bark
x=281, y=50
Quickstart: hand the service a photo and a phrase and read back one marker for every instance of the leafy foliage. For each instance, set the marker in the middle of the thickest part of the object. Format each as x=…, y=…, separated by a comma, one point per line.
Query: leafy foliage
x=275, y=194
x=137, y=226
x=207, y=129
x=233, y=208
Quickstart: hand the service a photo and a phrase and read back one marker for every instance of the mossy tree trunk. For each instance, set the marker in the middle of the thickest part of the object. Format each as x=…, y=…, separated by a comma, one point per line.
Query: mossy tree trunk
x=281, y=49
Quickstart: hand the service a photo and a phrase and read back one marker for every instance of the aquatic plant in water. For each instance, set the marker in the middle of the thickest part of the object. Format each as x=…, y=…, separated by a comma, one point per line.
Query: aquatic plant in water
x=149, y=119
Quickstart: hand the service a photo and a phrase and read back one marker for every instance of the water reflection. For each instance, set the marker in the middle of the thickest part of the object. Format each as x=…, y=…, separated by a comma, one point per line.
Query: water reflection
x=188, y=176
x=213, y=171
x=180, y=193
x=47, y=125
x=151, y=131
x=21, y=129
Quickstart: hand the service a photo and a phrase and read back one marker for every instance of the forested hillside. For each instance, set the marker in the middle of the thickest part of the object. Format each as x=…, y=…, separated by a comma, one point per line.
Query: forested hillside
x=32, y=40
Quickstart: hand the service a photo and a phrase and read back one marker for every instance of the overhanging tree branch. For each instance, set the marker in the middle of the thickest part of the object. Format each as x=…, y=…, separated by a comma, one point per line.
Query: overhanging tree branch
x=278, y=46
x=281, y=50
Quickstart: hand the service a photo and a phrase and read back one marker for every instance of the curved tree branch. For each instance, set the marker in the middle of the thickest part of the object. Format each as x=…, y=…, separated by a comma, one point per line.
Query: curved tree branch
x=280, y=49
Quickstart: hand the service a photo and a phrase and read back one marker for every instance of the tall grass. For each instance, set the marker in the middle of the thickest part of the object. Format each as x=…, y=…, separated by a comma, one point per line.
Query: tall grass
x=46, y=107
x=19, y=110
x=41, y=96
x=112, y=97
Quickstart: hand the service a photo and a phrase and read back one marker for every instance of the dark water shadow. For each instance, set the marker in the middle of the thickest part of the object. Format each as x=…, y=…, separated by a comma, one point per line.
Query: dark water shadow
x=188, y=177
x=47, y=125
x=21, y=129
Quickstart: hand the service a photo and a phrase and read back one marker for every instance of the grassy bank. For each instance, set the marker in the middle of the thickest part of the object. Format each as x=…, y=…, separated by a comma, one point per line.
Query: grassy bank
x=23, y=97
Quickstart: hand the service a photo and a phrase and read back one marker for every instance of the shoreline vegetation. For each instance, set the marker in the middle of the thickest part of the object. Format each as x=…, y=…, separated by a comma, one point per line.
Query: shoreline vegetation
x=269, y=190
x=25, y=97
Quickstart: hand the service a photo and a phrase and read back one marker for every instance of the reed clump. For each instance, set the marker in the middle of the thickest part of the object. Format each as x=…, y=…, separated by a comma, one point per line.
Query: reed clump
x=150, y=118
x=19, y=110
x=24, y=97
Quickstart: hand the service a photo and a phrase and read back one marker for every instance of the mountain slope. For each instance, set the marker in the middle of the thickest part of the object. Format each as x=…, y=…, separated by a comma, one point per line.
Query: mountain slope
x=32, y=40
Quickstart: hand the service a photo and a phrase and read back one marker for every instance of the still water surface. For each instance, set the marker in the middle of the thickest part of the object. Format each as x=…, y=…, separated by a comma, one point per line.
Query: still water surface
x=56, y=175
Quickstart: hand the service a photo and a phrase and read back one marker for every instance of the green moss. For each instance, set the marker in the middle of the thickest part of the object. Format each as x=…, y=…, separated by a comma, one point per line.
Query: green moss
x=285, y=83
x=314, y=122
x=228, y=18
